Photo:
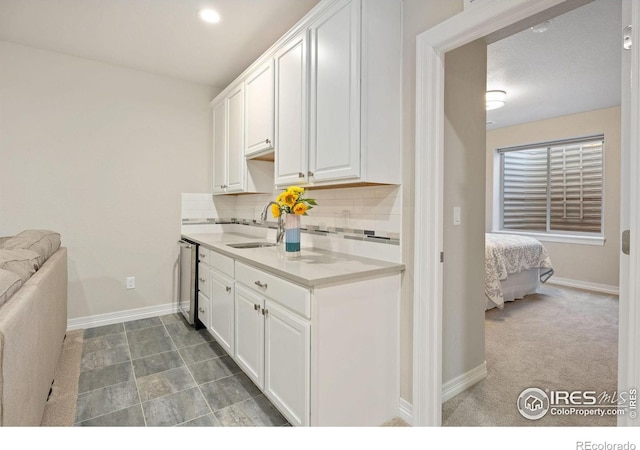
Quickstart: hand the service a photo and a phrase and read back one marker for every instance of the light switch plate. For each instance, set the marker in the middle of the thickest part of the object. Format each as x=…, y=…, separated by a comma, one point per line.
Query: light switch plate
x=456, y=215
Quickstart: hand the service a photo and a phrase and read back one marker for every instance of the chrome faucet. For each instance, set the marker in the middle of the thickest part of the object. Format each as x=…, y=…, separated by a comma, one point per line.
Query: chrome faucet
x=263, y=217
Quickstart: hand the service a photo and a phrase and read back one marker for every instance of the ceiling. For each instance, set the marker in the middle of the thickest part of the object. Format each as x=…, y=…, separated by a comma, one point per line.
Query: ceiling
x=159, y=36
x=572, y=67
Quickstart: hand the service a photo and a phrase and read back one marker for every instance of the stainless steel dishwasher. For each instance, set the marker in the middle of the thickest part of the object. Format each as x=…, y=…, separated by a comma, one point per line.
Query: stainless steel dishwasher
x=188, y=280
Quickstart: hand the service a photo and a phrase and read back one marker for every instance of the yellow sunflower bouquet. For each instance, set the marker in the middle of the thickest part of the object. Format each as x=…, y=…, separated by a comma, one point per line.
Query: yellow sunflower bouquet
x=292, y=200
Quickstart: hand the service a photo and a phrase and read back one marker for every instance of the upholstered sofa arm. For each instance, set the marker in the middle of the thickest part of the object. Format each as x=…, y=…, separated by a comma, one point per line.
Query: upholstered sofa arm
x=32, y=327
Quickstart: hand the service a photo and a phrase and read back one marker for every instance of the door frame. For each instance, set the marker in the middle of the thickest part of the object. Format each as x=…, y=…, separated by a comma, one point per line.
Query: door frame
x=475, y=22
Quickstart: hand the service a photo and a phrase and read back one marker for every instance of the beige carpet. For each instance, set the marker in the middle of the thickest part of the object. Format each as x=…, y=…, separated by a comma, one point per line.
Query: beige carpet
x=60, y=410
x=562, y=339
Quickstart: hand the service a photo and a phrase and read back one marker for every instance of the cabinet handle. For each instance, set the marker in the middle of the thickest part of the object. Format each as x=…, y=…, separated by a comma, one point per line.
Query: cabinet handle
x=202, y=255
x=310, y=173
x=201, y=310
x=228, y=288
x=223, y=186
x=257, y=283
x=202, y=280
x=300, y=175
x=256, y=307
x=267, y=141
x=265, y=312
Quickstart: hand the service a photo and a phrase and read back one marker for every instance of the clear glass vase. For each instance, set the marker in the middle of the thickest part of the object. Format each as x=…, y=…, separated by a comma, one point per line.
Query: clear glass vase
x=292, y=235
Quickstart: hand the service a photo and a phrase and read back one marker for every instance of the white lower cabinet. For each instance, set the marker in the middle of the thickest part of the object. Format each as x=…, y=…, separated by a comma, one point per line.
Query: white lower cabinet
x=203, y=309
x=249, y=334
x=324, y=356
x=273, y=349
x=287, y=344
x=221, y=324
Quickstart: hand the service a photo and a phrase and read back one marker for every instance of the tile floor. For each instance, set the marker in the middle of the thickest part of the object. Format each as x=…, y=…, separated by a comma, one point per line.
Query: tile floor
x=161, y=372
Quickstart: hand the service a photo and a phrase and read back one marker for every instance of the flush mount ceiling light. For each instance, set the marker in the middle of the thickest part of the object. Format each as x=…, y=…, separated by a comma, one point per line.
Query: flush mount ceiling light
x=541, y=27
x=495, y=99
x=209, y=15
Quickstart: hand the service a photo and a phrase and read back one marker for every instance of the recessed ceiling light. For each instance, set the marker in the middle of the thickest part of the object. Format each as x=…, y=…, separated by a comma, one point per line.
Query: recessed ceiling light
x=209, y=15
x=541, y=27
x=495, y=99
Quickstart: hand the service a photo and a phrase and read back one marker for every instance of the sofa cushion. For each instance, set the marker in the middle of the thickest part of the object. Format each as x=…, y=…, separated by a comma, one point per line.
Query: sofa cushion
x=9, y=284
x=23, y=263
x=43, y=242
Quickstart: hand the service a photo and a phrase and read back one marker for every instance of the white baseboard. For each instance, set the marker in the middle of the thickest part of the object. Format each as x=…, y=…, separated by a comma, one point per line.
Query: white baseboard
x=603, y=288
x=405, y=411
x=121, y=316
x=460, y=383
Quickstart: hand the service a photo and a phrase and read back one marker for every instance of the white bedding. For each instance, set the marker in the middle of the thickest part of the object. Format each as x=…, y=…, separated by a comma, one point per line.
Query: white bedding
x=507, y=254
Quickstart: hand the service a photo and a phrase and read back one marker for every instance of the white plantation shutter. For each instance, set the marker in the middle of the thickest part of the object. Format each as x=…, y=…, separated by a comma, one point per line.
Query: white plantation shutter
x=553, y=188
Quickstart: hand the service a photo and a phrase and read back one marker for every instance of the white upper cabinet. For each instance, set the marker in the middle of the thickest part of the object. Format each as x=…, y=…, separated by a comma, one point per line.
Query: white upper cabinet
x=334, y=138
x=350, y=127
x=232, y=172
x=219, y=147
x=235, y=140
x=259, y=110
x=291, y=111
x=323, y=104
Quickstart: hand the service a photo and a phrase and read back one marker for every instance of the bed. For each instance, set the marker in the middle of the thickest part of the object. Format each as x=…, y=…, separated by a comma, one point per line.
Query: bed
x=514, y=267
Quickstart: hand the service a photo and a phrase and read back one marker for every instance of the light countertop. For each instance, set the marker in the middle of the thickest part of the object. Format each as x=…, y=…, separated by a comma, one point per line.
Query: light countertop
x=315, y=267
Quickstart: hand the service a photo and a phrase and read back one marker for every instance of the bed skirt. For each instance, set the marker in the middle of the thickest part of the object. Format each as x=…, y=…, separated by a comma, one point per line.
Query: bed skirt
x=517, y=285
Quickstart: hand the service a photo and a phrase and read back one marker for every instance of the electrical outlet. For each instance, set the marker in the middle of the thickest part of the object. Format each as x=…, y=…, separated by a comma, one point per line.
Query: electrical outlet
x=131, y=282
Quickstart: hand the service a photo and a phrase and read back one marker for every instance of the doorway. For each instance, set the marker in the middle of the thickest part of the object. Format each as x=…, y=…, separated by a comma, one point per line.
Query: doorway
x=432, y=46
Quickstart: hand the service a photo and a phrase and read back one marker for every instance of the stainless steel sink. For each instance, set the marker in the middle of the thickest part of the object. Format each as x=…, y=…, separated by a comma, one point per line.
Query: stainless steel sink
x=252, y=244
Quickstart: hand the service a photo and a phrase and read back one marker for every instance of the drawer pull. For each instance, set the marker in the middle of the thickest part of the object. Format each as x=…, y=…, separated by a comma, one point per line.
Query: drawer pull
x=257, y=283
x=228, y=288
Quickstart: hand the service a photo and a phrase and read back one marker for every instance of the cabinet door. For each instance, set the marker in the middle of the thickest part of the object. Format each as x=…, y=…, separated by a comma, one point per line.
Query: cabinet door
x=222, y=310
x=334, y=147
x=236, y=165
x=219, y=148
x=287, y=363
x=249, y=334
x=259, y=110
x=291, y=124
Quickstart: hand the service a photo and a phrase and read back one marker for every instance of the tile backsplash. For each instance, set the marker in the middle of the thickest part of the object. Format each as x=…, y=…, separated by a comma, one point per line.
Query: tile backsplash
x=371, y=214
x=375, y=208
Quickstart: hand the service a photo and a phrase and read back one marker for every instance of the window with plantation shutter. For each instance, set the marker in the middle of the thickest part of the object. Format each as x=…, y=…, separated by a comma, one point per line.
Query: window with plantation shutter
x=554, y=188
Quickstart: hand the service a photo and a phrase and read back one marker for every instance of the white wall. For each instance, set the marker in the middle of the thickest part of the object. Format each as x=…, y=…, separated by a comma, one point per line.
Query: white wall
x=584, y=263
x=101, y=154
x=418, y=16
x=464, y=181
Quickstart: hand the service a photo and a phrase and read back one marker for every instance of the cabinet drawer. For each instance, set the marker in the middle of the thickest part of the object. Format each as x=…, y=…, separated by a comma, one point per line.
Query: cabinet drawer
x=203, y=309
x=294, y=297
x=203, y=254
x=221, y=263
x=204, y=279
